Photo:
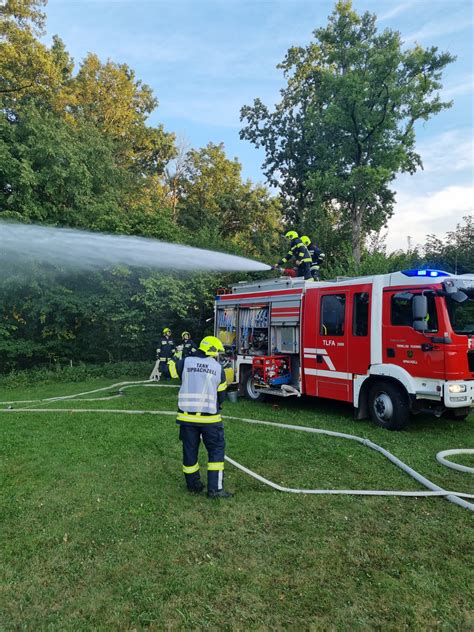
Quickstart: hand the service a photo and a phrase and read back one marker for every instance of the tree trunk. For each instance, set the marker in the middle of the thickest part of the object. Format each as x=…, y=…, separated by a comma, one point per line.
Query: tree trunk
x=357, y=214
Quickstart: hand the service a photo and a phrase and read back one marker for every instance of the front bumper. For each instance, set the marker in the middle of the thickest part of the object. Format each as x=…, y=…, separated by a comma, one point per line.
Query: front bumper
x=459, y=400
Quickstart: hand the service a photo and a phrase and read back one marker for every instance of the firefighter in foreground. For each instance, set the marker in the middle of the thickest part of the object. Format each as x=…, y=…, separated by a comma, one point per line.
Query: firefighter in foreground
x=165, y=353
x=202, y=392
x=300, y=253
x=189, y=347
x=317, y=256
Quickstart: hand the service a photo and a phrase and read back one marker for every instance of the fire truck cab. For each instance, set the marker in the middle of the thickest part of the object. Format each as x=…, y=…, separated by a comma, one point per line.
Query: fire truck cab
x=391, y=344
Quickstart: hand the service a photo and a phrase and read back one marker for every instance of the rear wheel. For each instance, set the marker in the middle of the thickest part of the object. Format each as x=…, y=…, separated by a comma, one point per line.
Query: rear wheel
x=388, y=406
x=248, y=387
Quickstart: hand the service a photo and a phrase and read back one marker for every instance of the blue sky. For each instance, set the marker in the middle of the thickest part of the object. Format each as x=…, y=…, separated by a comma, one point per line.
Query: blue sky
x=204, y=59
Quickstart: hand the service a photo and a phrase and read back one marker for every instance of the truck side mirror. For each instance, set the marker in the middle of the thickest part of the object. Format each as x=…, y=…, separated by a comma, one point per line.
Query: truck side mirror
x=420, y=307
x=420, y=312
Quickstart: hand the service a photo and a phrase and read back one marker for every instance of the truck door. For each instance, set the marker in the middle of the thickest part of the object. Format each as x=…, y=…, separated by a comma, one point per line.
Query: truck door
x=331, y=352
x=325, y=363
x=405, y=347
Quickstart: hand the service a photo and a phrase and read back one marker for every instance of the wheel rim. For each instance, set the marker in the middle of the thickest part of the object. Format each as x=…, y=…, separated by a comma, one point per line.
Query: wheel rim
x=383, y=407
x=251, y=389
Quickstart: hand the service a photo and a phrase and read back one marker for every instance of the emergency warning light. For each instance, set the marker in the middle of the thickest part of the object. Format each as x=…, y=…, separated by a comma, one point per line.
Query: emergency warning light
x=425, y=273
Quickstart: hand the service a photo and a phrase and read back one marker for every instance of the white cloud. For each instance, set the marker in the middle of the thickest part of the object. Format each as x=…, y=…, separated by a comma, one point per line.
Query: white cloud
x=464, y=86
x=430, y=213
x=399, y=8
x=448, y=152
x=439, y=28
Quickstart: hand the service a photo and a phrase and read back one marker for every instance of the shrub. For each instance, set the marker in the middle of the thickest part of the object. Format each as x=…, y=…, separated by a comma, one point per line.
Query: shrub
x=76, y=373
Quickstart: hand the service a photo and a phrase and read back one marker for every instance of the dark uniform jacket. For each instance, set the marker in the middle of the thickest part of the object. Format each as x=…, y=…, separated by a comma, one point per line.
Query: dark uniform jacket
x=315, y=253
x=166, y=349
x=189, y=349
x=297, y=250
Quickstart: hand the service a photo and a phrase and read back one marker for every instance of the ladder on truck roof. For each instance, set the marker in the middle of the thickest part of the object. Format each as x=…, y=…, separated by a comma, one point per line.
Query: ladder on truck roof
x=286, y=283
x=267, y=285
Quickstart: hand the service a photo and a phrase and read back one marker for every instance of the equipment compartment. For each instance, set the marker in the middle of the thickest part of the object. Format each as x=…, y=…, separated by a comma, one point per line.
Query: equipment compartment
x=253, y=330
x=227, y=325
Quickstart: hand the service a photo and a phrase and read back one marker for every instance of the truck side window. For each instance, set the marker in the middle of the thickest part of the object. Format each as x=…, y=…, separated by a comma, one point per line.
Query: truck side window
x=360, y=314
x=432, y=315
x=402, y=313
x=333, y=313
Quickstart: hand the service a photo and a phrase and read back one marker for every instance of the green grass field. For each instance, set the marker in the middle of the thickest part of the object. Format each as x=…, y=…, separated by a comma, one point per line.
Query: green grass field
x=98, y=531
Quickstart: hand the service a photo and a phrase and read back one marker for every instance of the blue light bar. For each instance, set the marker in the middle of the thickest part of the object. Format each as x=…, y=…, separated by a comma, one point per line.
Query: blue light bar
x=425, y=273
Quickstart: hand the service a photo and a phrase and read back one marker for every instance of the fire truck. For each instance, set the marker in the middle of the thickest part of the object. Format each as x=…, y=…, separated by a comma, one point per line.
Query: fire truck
x=393, y=344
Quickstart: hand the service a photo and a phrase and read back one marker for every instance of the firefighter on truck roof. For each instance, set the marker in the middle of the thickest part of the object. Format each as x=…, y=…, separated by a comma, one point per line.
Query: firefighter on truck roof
x=300, y=253
x=203, y=385
x=316, y=254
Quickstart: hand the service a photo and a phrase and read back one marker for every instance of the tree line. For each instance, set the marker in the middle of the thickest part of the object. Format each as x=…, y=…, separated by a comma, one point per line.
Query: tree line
x=77, y=150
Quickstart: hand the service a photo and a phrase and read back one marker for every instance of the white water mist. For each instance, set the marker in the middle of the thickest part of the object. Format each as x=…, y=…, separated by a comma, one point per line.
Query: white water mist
x=82, y=250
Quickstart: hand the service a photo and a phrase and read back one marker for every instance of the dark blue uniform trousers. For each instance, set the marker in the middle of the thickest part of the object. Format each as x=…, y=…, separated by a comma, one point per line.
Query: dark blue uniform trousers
x=213, y=437
x=164, y=370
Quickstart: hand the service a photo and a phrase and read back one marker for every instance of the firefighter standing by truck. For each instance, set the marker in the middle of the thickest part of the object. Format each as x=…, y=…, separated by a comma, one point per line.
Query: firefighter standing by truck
x=202, y=392
x=189, y=346
x=317, y=256
x=300, y=253
x=165, y=353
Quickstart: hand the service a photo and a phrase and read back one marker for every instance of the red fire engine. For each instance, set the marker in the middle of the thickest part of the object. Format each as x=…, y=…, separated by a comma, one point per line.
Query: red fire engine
x=391, y=344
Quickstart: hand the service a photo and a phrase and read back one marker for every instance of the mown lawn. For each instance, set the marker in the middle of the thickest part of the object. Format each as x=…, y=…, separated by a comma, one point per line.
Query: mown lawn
x=98, y=531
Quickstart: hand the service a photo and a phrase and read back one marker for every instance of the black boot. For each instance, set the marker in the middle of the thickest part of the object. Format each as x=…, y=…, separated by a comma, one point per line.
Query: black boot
x=220, y=493
x=196, y=488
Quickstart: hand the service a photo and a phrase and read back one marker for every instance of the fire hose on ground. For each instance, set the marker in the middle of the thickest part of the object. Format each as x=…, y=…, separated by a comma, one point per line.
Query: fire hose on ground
x=434, y=489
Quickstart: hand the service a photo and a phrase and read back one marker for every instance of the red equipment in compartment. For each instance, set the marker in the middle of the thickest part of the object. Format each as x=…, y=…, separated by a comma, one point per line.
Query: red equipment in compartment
x=271, y=370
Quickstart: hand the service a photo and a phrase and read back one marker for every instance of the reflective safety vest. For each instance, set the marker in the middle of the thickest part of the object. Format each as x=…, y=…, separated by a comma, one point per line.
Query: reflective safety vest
x=201, y=379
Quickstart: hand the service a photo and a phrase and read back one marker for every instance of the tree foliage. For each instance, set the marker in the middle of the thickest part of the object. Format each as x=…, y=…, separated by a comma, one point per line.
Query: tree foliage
x=455, y=253
x=345, y=124
x=219, y=209
x=53, y=172
x=118, y=105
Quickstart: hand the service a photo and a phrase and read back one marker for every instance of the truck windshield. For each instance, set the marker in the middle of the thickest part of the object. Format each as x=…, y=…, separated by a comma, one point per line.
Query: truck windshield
x=461, y=316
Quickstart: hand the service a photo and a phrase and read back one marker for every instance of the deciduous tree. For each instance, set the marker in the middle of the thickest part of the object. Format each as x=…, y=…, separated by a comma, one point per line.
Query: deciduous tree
x=454, y=253
x=345, y=125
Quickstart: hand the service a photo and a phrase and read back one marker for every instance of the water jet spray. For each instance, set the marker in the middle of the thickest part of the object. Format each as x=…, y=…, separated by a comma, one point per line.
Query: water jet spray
x=87, y=250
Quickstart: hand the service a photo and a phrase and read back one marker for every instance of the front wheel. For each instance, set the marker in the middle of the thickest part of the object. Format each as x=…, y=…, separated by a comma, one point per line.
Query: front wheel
x=388, y=406
x=248, y=387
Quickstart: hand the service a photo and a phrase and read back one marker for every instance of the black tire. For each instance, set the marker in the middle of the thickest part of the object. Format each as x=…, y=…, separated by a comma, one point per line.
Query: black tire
x=388, y=406
x=248, y=388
